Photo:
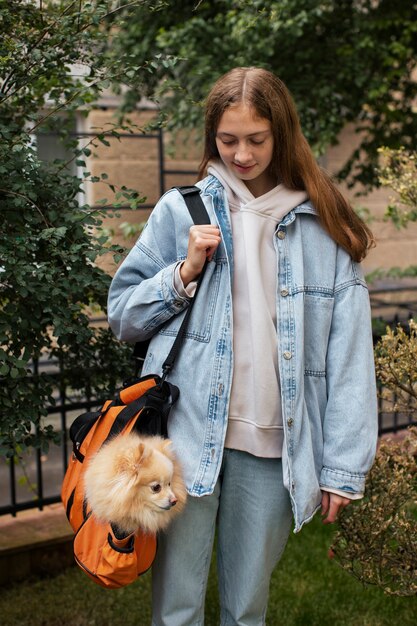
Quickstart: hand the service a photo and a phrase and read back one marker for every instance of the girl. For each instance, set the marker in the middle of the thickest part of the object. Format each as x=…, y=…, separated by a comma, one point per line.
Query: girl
x=277, y=415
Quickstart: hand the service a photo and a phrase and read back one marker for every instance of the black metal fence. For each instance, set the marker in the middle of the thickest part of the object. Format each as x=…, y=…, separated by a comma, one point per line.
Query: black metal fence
x=393, y=302
x=35, y=481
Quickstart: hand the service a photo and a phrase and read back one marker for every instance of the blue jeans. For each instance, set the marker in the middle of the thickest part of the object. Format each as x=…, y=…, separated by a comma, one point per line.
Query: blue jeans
x=253, y=514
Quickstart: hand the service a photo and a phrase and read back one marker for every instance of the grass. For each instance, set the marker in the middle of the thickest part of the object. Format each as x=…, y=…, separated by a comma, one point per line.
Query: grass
x=307, y=589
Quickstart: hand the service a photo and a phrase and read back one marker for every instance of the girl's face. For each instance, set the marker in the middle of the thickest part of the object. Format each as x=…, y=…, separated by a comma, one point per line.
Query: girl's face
x=245, y=144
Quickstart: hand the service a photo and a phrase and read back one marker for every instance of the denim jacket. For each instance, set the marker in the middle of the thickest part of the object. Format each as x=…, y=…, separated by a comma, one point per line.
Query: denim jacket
x=325, y=350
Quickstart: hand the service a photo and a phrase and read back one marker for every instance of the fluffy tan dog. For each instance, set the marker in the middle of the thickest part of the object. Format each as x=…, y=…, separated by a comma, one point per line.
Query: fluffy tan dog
x=135, y=482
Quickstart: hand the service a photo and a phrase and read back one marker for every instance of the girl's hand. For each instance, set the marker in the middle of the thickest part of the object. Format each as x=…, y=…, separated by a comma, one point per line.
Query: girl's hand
x=331, y=504
x=202, y=244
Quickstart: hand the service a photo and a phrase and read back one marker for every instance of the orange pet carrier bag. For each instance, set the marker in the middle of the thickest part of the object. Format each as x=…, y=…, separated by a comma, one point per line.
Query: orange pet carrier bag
x=111, y=561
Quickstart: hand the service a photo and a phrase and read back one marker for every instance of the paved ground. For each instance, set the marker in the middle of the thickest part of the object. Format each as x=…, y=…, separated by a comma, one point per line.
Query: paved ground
x=34, y=542
x=34, y=527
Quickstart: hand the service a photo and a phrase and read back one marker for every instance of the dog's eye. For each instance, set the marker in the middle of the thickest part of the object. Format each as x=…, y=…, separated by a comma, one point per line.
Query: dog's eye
x=156, y=488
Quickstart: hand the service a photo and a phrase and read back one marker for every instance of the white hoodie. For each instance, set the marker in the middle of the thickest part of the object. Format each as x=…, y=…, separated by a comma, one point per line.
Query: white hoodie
x=255, y=419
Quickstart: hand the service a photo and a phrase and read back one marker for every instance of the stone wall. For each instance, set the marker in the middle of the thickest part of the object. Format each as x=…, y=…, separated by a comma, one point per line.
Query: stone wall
x=394, y=248
x=135, y=162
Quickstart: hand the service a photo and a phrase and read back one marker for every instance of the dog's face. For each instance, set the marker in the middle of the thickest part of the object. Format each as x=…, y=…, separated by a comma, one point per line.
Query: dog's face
x=135, y=482
x=148, y=474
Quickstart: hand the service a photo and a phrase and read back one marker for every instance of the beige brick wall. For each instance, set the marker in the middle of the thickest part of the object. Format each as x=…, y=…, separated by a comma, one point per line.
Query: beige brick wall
x=129, y=161
x=395, y=248
x=135, y=163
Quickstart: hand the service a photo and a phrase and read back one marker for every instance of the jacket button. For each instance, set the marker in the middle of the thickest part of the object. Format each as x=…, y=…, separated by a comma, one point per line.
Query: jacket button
x=281, y=234
x=287, y=355
x=284, y=292
x=290, y=422
x=177, y=303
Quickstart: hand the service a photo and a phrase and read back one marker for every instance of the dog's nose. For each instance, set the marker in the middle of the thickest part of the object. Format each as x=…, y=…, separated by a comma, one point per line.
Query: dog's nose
x=173, y=501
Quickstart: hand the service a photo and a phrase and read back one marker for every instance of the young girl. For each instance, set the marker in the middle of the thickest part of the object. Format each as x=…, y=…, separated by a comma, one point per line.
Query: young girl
x=277, y=414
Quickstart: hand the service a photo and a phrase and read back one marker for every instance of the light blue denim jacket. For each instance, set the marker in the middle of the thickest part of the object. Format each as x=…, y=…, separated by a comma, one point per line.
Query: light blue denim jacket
x=325, y=347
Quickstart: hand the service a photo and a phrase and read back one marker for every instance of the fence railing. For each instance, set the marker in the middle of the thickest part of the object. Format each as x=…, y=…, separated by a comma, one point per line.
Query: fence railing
x=34, y=482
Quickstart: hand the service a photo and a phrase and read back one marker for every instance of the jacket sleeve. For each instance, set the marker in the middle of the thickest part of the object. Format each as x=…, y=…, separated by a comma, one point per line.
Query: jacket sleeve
x=142, y=294
x=350, y=427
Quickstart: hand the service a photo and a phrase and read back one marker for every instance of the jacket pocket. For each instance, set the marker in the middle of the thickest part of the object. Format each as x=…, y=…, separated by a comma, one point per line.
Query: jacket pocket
x=201, y=320
x=318, y=313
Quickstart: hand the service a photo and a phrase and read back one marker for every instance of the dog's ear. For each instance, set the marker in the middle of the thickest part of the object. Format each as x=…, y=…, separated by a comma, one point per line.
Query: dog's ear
x=166, y=448
x=141, y=453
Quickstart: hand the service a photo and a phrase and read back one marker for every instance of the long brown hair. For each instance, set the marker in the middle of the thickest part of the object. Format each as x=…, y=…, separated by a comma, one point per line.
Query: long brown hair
x=292, y=161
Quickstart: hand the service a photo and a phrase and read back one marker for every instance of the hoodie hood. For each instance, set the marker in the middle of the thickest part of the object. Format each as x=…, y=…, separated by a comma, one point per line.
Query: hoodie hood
x=274, y=204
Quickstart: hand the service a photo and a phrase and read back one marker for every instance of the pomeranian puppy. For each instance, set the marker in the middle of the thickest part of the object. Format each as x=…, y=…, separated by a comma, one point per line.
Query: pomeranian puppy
x=135, y=482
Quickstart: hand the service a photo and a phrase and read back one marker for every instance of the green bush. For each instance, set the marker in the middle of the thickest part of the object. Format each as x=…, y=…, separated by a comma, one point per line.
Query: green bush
x=377, y=537
x=50, y=282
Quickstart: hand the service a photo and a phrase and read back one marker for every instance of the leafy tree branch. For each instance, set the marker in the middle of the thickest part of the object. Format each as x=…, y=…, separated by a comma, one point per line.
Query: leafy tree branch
x=50, y=278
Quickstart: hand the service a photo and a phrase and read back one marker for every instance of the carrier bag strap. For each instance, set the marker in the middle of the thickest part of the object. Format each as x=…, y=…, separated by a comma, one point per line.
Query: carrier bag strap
x=199, y=214
x=194, y=203
x=154, y=405
x=197, y=210
x=169, y=361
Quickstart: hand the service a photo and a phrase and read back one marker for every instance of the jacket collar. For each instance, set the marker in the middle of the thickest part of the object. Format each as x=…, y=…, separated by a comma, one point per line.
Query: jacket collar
x=211, y=184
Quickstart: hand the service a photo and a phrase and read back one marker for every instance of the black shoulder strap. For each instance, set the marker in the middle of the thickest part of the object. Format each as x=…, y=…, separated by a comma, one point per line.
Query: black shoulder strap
x=194, y=204
x=199, y=215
